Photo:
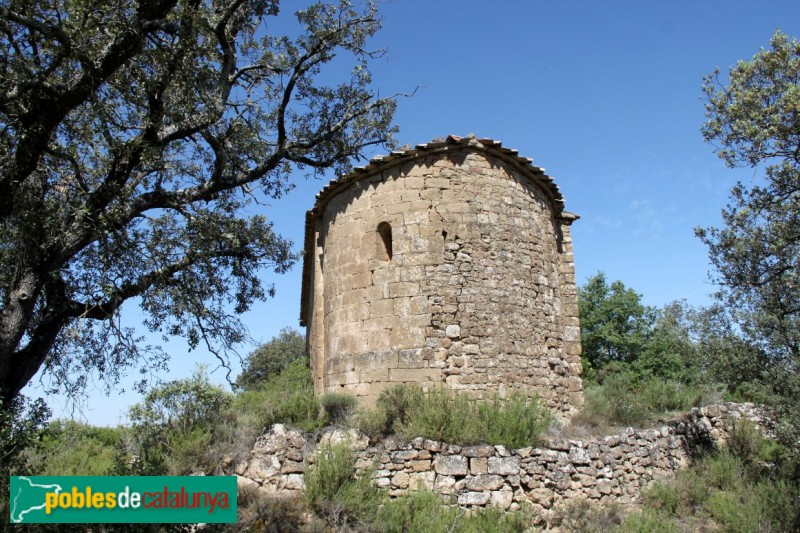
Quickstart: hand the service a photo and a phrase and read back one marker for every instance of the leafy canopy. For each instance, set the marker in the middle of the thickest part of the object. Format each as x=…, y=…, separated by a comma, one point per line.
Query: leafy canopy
x=614, y=324
x=135, y=138
x=271, y=358
x=754, y=121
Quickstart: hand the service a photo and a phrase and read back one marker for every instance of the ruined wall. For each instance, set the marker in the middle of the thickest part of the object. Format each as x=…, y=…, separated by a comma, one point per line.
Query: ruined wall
x=611, y=469
x=453, y=267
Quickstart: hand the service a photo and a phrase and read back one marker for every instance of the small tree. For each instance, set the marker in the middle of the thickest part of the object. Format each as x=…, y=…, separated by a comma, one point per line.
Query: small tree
x=176, y=421
x=615, y=326
x=271, y=358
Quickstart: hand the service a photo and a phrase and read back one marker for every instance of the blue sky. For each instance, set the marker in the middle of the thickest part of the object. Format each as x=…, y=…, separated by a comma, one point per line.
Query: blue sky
x=606, y=96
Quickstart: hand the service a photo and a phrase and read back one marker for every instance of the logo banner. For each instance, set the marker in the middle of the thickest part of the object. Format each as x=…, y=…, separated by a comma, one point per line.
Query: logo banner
x=122, y=499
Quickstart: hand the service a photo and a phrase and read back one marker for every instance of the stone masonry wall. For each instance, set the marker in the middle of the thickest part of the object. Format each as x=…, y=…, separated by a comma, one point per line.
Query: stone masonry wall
x=609, y=469
x=476, y=290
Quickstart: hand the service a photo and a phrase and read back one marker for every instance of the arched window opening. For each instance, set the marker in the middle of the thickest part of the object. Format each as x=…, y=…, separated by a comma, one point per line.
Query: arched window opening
x=385, y=231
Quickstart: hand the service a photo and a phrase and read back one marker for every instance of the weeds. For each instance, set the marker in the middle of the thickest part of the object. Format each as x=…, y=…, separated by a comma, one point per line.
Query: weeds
x=440, y=414
x=335, y=492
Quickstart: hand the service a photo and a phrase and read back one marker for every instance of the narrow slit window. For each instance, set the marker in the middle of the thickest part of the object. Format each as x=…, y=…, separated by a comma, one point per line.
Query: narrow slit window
x=385, y=232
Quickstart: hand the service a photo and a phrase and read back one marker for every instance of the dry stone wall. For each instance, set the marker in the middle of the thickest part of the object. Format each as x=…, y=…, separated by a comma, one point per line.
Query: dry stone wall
x=452, y=265
x=609, y=469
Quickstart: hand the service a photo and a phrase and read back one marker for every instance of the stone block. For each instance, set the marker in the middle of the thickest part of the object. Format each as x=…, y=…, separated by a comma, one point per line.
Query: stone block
x=294, y=482
x=421, y=480
x=400, y=480
x=453, y=331
x=413, y=375
x=504, y=466
x=292, y=467
x=474, y=498
x=502, y=499
x=484, y=482
x=478, y=451
x=478, y=465
x=420, y=466
x=450, y=465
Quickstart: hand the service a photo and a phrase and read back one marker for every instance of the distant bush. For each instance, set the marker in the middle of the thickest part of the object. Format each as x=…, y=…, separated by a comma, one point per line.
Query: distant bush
x=623, y=397
x=272, y=358
x=648, y=521
x=441, y=414
x=69, y=448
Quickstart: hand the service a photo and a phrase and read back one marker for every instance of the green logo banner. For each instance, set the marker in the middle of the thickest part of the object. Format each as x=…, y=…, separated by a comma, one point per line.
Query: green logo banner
x=122, y=499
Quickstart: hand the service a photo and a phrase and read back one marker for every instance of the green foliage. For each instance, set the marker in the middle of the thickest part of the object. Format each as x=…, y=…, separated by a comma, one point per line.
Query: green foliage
x=69, y=448
x=648, y=521
x=334, y=491
x=661, y=497
x=579, y=515
x=753, y=122
x=392, y=411
x=440, y=414
x=338, y=407
x=20, y=423
x=627, y=397
x=427, y=512
x=175, y=424
x=615, y=326
x=136, y=138
x=724, y=491
x=286, y=398
x=271, y=358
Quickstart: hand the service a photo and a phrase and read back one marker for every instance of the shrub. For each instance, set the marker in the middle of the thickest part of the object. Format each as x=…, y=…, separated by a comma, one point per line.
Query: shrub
x=338, y=407
x=69, y=448
x=661, y=497
x=582, y=516
x=441, y=414
x=723, y=471
x=648, y=521
x=692, y=489
x=423, y=511
x=624, y=397
x=272, y=358
x=394, y=408
x=286, y=398
x=334, y=491
x=262, y=512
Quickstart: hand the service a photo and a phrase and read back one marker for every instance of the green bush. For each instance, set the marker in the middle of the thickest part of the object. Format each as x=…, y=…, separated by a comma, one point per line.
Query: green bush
x=338, y=407
x=286, y=398
x=440, y=414
x=392, y=411
x=623, y=397
x=724, y=491
x=661, y=497
x=427, y=512
x=334, y=491
x=648, y=521
x=692, y=488
x=272, y=358
x=69, y=448
x=579, y=515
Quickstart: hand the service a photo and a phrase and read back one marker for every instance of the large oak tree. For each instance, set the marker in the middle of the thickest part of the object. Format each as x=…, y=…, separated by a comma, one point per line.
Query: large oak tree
x=134, y=134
